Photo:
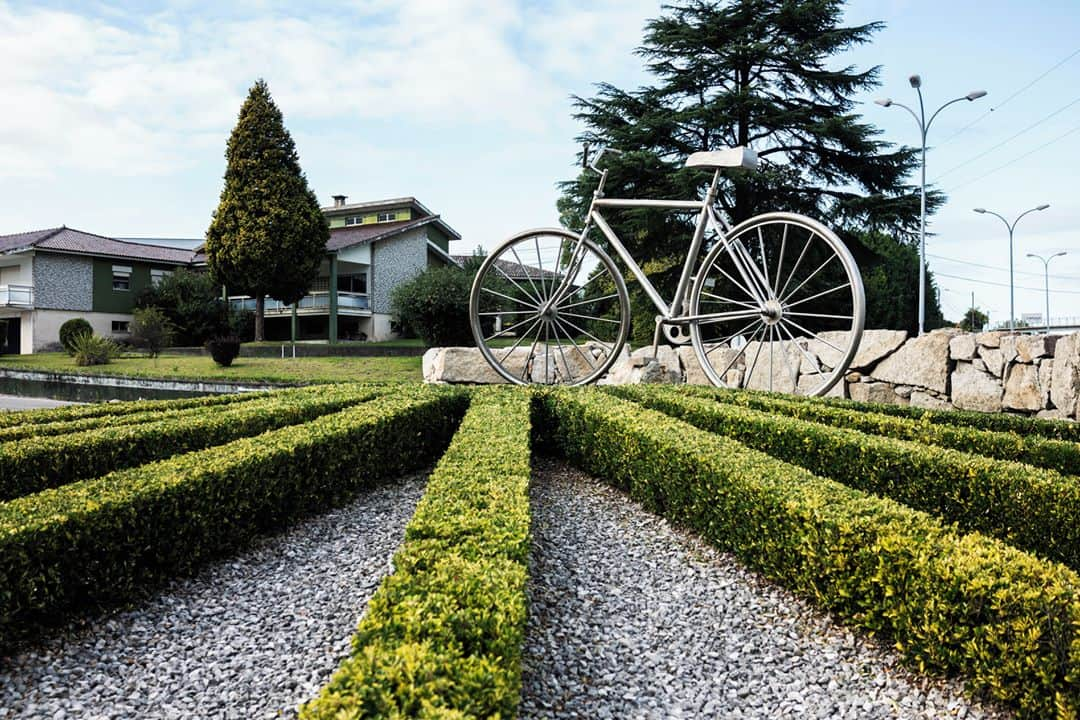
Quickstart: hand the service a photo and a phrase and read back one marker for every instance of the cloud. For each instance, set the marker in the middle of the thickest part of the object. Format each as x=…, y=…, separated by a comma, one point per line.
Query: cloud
x=150, y=93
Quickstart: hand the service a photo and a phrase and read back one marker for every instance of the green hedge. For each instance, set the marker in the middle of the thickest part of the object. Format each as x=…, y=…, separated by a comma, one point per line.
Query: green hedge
x=1060, y=455
x=1030, y=508
x=104, y=540
x=949, y=602
x=33, y=464
x=94, y=410
x=997, y=422
x=442, y=636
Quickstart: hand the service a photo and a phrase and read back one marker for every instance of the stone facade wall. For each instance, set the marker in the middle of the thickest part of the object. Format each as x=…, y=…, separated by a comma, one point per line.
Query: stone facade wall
x=990, y=372
x=393, y=262
x=63, y=282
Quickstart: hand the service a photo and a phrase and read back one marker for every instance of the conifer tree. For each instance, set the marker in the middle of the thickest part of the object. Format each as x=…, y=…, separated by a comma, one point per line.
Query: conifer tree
x=268, y=235
x=757, y=73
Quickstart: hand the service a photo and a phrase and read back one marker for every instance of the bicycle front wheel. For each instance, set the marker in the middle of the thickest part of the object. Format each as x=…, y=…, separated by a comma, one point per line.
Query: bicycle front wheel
x=787, y=304
x=549, y=310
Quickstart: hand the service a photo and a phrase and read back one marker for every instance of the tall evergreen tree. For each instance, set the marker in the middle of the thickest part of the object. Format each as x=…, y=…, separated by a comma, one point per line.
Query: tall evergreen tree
x=758, y=73
x=268, y=235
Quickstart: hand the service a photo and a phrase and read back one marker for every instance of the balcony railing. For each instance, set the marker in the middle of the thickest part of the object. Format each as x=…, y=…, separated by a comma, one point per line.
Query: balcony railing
x=17, y=295
x=318, y=300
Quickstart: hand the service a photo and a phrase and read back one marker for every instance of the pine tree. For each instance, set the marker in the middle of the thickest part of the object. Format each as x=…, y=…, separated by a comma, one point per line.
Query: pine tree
x=758, y=73
x=268, y=235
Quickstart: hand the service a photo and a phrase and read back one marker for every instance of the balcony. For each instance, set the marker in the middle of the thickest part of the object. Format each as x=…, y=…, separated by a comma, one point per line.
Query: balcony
x=314, y=303
x=21, y=296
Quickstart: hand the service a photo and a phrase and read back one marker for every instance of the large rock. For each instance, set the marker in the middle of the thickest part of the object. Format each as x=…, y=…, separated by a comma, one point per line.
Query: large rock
x=719, y=358
x=989, y=339
x=1008, y=349
x=810, y=383
x=962, y=347
x=875, y=393
x=975, y=390
x=922, y=361
x=995, y=361
x=467, y=365
x=621, y=370
x=1022, y=390
x=777, y=374
x=1065, y=377
x=874, y=345
x=1046, y=376
x=922, y=399
x=1032, y=347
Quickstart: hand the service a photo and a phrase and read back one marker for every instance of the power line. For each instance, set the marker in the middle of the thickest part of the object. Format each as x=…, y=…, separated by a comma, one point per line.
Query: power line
x=1009, y=139
x=1001, y=269
x=1000, y=284
x=986, y=114
x=1014, y=160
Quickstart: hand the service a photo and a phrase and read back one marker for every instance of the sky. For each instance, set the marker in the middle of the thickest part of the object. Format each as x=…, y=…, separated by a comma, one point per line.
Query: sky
x=114, y=116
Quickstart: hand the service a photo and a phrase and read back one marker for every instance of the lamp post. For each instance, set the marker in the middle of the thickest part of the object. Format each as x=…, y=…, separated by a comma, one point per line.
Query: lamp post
x=924, y=126
x=1012, y=226
x=1046, y=275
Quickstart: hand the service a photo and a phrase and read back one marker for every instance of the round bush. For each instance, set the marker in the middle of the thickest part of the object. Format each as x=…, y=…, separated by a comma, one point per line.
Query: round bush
x=435, y=306
x=71, y=330
x=224, y=349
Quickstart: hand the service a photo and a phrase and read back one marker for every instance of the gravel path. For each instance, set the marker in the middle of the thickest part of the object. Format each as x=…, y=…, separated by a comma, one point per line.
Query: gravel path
x=249, y=637
x=630, y=618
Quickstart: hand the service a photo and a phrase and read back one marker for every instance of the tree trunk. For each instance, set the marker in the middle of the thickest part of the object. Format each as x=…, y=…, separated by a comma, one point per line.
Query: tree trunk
x=260, y=307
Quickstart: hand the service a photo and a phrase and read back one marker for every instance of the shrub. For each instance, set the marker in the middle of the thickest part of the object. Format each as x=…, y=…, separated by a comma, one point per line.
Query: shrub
x=30, y=465
x=435, y=306
x=224, y=349
x=949, y=602
x=30, y=418
x=72, y=329
x=90, y=349
x=191, y=301
x=104, y=540
x=442, y=636
x=1031, y=508
x=151, y=330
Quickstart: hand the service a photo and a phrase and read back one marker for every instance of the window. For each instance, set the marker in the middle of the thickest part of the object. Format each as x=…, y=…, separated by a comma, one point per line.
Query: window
x=121, y=277
x=388, y=216
x=354, y=220
x=121, y=326
x=352, y=283
x=156, y=276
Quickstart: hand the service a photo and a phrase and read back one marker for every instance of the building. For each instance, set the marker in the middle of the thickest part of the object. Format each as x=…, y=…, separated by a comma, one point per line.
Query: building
x=50, y=276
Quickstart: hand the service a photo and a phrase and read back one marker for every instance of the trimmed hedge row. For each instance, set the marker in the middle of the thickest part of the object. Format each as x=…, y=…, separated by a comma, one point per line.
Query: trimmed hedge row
x=80, y=412
x=103, y=540
x=33, y=464
x=442, y=636
x=1060, y=455
x=950, y=602
x=1028, y=507
x=996, y=422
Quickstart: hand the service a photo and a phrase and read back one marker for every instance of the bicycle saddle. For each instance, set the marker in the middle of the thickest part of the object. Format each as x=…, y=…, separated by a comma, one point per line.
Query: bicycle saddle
x=728, y=157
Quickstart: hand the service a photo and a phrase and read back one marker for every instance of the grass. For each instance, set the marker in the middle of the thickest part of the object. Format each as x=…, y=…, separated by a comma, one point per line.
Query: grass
x=274, y=370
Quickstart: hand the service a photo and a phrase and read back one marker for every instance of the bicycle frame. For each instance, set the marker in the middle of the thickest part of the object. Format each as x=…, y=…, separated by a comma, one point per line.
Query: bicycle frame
x=756, y=285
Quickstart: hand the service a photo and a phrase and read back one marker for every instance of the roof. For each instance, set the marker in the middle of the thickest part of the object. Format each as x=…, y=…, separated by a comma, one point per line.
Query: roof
x=69, y=240
x=184, y=243
x=378, y=205
x=341, y=238
x=516, y=271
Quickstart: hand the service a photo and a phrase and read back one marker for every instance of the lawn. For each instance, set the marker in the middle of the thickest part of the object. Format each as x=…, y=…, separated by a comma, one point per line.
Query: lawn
x=196, y=367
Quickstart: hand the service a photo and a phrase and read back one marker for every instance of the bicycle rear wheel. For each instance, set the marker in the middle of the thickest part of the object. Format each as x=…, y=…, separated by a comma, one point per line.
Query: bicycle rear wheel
x=542, y=313
x=799, y=297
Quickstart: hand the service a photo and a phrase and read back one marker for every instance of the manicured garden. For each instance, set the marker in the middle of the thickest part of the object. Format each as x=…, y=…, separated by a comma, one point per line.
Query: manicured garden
x=946, y=536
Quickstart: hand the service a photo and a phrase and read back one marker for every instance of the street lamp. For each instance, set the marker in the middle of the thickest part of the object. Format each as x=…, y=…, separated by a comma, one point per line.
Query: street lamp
x=1046, y=274
x=1012, y=306
x=924, y=126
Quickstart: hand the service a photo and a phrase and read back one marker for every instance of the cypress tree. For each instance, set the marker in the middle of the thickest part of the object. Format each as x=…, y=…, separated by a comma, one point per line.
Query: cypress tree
x=268, y=235
x=758, y=73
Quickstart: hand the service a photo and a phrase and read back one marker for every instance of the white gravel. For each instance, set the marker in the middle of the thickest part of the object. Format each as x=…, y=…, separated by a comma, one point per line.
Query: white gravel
x=630, y=618
x=249, y=637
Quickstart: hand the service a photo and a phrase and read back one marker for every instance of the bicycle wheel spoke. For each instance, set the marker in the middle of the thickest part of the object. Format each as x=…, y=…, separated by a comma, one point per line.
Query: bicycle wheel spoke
x=764, y=261
x=721, y=298
x=733, y=281
x=811, y=276
x=770, y=357
x=738, y=332
x=570, y=339
x=812, y=334
x=502, y=332
x=749, y=270
x=780, y=262
x=560, y=308
x=724, y=317
x=757, y=354
x=591, y=317
x=524, y=269
x=506, y=312
x=558, y=342
x=820, y=315
x=815, y=297
x=511, y=299
x=813, y=363
x=540, y=262
x=513, y=282
x=520, y=338
x=798, y=262
x=784, y=354
x=592, y=337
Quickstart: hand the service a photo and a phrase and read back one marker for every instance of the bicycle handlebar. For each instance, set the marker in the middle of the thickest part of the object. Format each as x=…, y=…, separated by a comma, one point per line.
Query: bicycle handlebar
x=585, y=164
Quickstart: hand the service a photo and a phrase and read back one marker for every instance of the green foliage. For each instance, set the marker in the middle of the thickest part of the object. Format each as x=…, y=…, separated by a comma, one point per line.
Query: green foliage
x=760, y=73
x=70, y=330
x=151, y=330
x=974, y=320
x=435, y=306
x=950, y=603
x=192, y=303
x=28, y=419
x=268, y=235
x=224, y=349
x=890, y=273
x=30, y=465
x=1032, y=509
x=90, y=349
x=105, y=540
x=443, y=634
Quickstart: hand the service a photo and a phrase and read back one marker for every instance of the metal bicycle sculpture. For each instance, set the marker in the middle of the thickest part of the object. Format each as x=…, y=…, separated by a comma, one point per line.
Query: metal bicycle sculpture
x=777, y=303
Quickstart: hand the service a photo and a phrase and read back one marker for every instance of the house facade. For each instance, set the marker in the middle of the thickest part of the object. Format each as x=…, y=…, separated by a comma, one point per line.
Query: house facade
x=50, y=276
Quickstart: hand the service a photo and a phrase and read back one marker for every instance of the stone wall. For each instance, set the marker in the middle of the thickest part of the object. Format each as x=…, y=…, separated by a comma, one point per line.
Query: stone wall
x=990, y=372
